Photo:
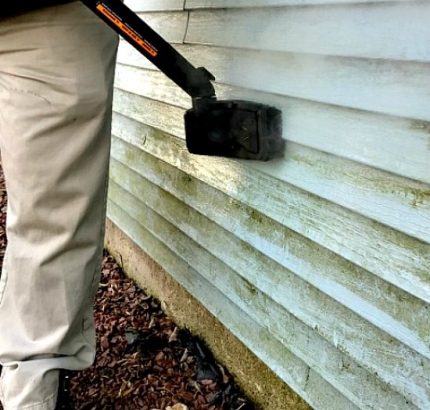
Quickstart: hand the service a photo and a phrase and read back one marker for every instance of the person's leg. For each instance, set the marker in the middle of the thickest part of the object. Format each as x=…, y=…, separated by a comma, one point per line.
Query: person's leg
x=56, y=80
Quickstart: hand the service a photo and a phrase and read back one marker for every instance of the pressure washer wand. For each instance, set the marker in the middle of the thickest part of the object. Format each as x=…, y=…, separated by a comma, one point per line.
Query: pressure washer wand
x=196, y=82
x=231, y=128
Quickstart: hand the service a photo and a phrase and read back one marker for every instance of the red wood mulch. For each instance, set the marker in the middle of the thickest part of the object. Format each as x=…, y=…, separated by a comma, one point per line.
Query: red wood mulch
x=144, y=361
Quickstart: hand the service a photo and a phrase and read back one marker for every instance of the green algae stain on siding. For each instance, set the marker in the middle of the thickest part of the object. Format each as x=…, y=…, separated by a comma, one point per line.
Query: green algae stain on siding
x=416, y=194
x=256, y=217
x=420, y=125
x=250, y=288
x=255, y=223
x=181, y=215
x=277, y=234
x=419, y=198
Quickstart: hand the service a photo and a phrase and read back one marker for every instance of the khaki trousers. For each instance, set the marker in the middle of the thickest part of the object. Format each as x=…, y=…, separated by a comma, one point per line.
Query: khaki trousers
x=56, y=76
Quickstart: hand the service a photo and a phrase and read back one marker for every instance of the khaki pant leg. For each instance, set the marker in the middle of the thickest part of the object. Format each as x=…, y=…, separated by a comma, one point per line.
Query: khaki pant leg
x=56, y=75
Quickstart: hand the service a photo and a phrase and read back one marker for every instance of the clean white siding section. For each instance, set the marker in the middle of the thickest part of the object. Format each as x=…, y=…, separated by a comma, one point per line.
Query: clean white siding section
x=318, y=262
x=381, y=30
x=203, y=4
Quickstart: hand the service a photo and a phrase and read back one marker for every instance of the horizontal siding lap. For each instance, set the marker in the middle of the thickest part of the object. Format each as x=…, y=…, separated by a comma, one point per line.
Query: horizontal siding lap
x=340, y=228
x=407, y=267
x=294, y=371
x=166, y=147
x=401, y=204
x=342, y=182
x=364, y=137
x=386, y=87
x=155, y=5
x=302, y=341
x=382, y=86
x=204, y=4
x=159, y=115
x=369, y=245
x=151, y=84
x=396, y=202
x=171, y=25
x=393, y=30
x=330, y=277
x=236, y=258
x=272, y=243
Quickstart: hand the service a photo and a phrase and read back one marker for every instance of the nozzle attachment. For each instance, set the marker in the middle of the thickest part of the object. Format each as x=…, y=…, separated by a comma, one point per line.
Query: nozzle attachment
x=234, y=128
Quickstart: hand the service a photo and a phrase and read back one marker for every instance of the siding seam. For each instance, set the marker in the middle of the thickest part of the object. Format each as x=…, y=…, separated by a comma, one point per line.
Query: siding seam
x=187, y=25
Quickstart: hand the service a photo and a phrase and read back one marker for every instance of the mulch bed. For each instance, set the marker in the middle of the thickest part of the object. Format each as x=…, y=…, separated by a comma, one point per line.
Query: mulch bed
x=144, y=361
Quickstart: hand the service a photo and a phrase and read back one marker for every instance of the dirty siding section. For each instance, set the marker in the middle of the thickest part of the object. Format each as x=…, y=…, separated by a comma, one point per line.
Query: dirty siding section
x=319, y=262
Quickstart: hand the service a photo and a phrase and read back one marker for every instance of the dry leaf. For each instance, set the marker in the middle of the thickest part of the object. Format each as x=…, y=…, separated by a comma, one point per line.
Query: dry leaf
x=177, y=406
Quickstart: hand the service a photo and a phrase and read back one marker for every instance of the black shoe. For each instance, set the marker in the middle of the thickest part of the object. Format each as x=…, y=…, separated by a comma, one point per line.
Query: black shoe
x=63, y=400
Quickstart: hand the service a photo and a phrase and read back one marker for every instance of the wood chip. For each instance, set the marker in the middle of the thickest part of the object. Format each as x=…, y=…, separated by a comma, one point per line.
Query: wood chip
x=177, y=406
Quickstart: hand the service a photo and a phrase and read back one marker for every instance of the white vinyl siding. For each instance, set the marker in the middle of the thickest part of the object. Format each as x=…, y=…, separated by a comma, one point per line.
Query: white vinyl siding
x=319, y=262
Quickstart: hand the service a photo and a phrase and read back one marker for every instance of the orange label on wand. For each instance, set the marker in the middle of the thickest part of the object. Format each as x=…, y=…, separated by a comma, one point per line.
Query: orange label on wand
x=125, y=29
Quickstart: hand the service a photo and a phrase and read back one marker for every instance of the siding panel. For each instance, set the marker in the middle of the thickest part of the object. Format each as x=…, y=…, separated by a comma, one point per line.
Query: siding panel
x=289, y=330
x=171, y=26
x=282, y=286
x=378, y=30
x=387, y=87
x=203, y=4
x=155, y=5
x=284, y=204
x=324, y=254
x=394, y=257
x=342, y=181
x=296, y=373
x=364, y=137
